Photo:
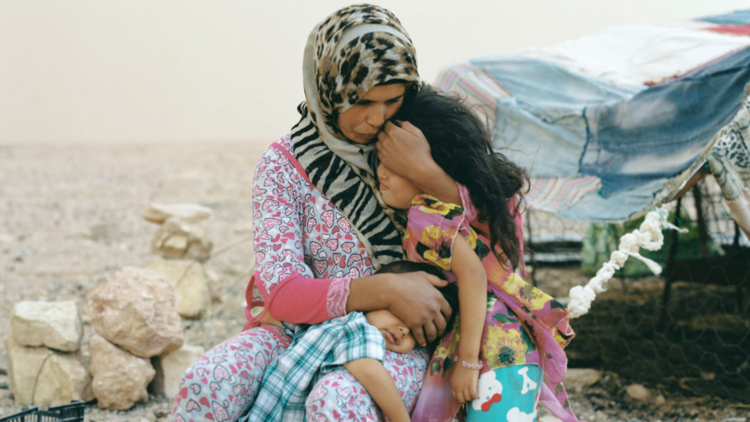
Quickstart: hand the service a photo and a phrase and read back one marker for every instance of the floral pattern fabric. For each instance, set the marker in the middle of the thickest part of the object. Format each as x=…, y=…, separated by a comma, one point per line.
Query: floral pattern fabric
x=523, y=324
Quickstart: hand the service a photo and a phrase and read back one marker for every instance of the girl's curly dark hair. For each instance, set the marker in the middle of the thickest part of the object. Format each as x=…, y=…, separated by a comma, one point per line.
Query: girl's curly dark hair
x=461, y=145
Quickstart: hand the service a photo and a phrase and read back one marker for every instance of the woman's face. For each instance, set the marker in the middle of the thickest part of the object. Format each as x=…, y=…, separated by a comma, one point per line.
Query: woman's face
x=362, y=122
x=397, y=191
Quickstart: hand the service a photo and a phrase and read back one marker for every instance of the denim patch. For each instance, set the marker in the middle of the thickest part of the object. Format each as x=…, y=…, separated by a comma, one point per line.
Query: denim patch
x=663, y=129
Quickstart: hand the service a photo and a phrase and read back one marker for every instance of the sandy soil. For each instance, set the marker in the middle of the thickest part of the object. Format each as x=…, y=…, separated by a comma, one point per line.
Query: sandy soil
x=70, y=215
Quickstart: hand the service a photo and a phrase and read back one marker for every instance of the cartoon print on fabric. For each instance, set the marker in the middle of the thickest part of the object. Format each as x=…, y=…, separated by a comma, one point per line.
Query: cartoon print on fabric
x=510, y=393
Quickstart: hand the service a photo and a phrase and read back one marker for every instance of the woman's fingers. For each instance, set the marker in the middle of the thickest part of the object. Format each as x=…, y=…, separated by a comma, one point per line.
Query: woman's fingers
x=435, y=280
x=408, y=127
x=430, y=331
x=420, y=305
x=404, y=152
x=418, y=335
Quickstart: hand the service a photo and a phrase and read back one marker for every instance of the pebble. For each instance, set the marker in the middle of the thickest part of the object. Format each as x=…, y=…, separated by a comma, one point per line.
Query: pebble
x=637, y=392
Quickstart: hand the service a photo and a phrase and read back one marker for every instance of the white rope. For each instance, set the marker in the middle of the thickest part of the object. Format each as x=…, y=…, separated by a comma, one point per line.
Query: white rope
x=649, y=237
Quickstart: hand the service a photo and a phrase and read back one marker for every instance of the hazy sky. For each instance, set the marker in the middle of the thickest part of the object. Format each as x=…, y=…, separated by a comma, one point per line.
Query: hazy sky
x=157, y=70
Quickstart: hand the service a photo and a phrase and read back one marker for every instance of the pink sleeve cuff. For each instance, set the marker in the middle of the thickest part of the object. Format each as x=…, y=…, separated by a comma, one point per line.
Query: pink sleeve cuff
x=338, y=294
x=303, y=300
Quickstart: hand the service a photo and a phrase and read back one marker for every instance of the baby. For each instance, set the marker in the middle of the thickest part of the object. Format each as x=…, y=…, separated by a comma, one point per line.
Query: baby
x=357, y=342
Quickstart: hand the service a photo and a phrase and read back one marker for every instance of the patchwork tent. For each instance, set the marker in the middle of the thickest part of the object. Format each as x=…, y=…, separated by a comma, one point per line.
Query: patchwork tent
x=615, y=123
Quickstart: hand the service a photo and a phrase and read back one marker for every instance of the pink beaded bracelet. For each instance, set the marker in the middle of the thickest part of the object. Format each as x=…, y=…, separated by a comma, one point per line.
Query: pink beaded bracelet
x=467, y=365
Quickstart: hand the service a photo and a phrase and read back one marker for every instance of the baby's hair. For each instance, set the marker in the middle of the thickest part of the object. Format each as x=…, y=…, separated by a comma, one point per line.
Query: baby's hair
x=461, y=145
x=449, y=292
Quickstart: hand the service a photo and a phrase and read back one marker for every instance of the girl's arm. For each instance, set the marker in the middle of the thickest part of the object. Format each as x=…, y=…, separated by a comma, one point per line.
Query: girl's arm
x=472, y=299
x=378, y=382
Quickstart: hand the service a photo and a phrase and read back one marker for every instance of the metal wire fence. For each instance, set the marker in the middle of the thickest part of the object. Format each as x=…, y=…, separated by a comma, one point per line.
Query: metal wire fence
x=688, y=329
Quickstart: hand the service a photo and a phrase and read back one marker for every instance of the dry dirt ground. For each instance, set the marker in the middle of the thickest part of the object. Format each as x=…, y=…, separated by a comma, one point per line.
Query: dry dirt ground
x=70, y=215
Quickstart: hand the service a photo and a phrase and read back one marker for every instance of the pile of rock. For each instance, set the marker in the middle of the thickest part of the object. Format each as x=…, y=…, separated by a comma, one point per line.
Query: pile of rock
x=182, y=234
x=135, y=320
x=45, y=363
x=182, y=245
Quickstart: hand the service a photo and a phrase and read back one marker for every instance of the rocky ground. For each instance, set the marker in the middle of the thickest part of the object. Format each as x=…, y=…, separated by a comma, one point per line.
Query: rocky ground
x=70, y=215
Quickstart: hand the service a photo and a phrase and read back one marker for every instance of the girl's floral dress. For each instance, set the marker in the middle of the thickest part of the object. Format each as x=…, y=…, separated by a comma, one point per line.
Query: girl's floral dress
x=523, y=325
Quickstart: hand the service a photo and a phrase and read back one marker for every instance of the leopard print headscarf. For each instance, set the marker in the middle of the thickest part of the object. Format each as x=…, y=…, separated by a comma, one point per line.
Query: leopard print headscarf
x=350, y=52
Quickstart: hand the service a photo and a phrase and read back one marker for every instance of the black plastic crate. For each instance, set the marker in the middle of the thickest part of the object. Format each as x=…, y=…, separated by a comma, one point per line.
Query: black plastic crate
x=72, y=412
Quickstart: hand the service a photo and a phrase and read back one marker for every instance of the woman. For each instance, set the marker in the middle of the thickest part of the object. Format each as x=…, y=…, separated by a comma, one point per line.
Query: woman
x=321, y=228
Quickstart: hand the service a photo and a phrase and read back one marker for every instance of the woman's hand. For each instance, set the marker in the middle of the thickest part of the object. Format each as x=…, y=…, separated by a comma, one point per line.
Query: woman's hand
x=420, y=305
x=464, y=383
x=405, y=151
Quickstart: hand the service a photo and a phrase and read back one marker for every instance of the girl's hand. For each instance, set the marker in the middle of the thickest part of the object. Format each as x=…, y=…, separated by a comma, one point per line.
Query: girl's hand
x=417, y=302
x=464, y=383
x=405, y=151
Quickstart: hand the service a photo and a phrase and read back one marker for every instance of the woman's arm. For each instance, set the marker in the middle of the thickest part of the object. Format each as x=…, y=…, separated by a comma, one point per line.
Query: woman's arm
x=472, y=299
x=291, y=292
x=405, y=151
x=378, y=382
x=286, y=282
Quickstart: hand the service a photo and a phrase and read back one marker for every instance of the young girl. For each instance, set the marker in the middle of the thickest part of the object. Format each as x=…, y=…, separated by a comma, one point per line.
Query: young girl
x=505, y=351
x=356, y=342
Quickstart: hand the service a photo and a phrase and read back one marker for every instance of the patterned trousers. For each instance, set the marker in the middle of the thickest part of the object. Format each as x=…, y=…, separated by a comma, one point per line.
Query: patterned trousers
x=224, y=382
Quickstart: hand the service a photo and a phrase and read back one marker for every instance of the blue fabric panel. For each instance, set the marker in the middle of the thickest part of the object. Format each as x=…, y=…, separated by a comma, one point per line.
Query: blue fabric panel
x=661, y=131
x=616, y=208
x=541, y=126
x=740, y=17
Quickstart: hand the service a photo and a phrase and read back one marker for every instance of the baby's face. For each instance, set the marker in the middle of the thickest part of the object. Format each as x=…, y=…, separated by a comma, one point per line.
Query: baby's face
x=398, y=337
x=397, y=191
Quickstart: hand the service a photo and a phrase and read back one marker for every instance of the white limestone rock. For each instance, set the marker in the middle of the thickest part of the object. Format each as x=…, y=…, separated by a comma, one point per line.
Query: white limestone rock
x=56, y=325
x=45, y=377
x=177, y=239
x=190, y=282
x=134, y=309
x=214, y=286
x=190, y=213
x=170, y=367
x=579, y=378
x=119, y=378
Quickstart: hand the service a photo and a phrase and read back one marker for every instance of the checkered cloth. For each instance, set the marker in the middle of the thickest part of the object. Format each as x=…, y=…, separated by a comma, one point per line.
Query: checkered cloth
x=313, y=353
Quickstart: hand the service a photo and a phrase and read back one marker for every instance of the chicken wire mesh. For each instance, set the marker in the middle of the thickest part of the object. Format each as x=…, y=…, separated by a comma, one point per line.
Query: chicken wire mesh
x=686, y=330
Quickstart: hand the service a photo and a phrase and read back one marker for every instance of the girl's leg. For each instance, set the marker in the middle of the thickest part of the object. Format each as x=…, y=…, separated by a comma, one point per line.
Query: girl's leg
x=224, y=382
x=339, y=395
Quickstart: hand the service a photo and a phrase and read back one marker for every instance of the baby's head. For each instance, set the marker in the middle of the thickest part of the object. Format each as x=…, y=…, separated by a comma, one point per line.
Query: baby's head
x=398, y=337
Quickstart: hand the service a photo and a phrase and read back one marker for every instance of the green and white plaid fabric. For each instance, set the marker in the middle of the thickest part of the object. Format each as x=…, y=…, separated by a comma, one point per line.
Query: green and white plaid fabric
x=313, y=352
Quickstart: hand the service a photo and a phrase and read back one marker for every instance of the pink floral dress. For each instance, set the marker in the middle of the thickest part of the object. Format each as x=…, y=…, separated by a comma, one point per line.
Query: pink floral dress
x=523, y=325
